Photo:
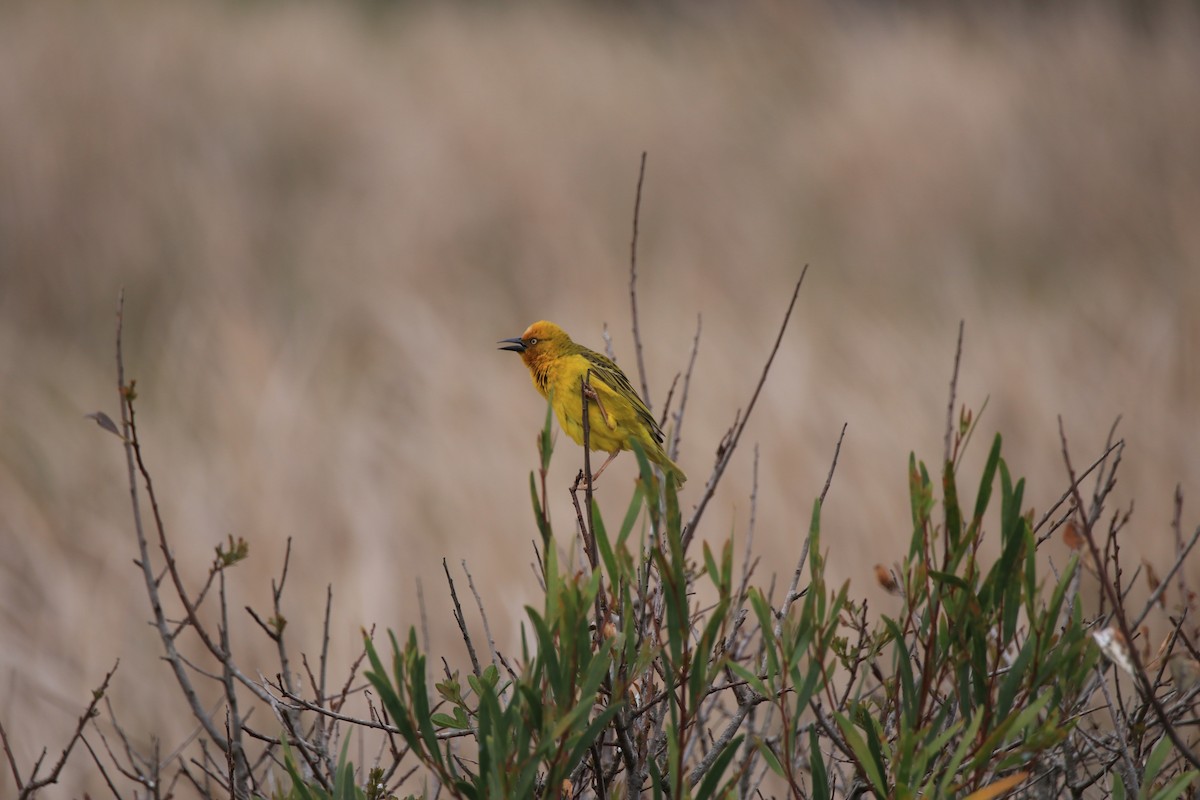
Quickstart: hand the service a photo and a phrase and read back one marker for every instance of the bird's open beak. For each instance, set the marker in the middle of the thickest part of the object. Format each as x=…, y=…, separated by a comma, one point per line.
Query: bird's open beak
x=516, y=345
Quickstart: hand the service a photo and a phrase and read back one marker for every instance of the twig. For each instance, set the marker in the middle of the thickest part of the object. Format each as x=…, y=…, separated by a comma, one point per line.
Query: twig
x=35, y=783
x=746, y=555
x=324, y=711
x=487, y=629
x=662, y=418
x=836, y=452
x=683, y=396
x=637, y=337
x=953, y=391
x=1140, y=676
x=1071, y=490
x=100, y=766
x=132, y=461
x=1166, y=581
x=462, y=622
x=585, y=389
x=233, y=742
x=730, y=730
x=424, y=618
x=725, y=453
x=747, y=702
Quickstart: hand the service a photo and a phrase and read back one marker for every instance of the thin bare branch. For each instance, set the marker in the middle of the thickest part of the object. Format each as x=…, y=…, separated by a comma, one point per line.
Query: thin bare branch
x=725, y=452
x=36, y=780
x=953, y=391
x=1118, y=611
x=462, y=622
x=487, y=629
x=637, y=336
x=673, y=452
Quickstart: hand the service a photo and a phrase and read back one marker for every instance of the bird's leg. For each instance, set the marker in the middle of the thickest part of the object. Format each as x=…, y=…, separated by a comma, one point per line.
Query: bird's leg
x=591, y=394
x=596, y=474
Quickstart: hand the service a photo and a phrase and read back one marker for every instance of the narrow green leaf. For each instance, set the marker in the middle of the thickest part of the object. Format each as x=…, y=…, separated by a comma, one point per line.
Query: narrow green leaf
x=1017, y=675
x=816, y=761
x=603, y=544
x=769, y=756
x=545, y=439
x=1158, y=757
x=1176, y=787
x=749, y=677
x=1010, y=727
x=710, y=565
x=420, y=701
x=949, y=579
x=872, y=770
x=1031, y=587
x=953, y=517
x=767, y=630
x=708, y=786
x=300, y=790
x=903, y=660
x=985, y=485
x=444, y=720
x=631, y=515
x=543, y=527
x=591, y=734
x=1060, y=592
x=344, y=788
x=960, y=754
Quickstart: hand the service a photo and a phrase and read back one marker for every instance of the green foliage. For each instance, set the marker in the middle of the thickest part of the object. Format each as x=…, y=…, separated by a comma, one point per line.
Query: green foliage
x=983, y=663
x=532, y=729
x=624, y=676
x=649, y=670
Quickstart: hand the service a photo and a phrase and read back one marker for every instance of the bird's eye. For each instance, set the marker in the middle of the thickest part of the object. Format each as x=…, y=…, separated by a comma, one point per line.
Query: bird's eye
x=533, y=341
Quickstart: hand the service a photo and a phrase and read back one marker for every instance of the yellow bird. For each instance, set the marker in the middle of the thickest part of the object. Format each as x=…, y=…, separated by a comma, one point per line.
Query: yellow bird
x=615, y=412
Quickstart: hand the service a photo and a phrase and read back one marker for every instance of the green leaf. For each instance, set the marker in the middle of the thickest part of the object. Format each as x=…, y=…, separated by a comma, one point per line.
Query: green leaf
x=820, y=778
x=903, y=660
x=545, y=439
x=631, y=515
x=865, y=756
x=300, y=789
x=1158, y=757
x=708, y=786
x=603, y=545
x=344, y=788
x=949, y=579
x=1012, y=726
x=985, y=485
x=960, y=754
x=766, y=629
x=752, y=680
x=1175, y=788
x=447, y=721
x=710, y=565
x=950, y=505
x=769, y=756
x=1060, y=591
x=1015, y=678
x=591, y=734
x=542, y=523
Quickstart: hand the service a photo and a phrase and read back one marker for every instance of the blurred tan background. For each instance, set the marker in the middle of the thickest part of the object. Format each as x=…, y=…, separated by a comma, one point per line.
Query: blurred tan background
x=324, y=216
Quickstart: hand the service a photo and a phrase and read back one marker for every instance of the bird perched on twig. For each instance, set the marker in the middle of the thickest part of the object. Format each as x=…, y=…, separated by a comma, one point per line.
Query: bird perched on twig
x=615, y=412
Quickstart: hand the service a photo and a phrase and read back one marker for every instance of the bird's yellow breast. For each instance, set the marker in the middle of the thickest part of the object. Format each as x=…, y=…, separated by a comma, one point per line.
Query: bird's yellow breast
x=611, y=417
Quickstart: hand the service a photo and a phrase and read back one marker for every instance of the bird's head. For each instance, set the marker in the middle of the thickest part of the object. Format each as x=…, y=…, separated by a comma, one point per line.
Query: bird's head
x=541, y=339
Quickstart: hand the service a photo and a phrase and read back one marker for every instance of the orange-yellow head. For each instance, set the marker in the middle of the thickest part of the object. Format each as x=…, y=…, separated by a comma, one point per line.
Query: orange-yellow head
x=541, y=341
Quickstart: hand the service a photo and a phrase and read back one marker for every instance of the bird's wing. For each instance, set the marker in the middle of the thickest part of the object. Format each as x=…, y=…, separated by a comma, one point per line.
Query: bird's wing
x=606, y=370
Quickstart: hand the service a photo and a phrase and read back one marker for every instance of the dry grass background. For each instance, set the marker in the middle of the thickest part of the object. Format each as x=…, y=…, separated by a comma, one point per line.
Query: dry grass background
x=324, y=218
